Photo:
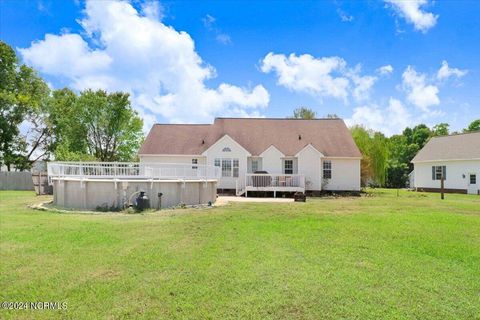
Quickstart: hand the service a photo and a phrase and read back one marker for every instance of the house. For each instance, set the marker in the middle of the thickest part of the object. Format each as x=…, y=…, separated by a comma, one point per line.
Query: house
x=261, y=154
x=454, y=158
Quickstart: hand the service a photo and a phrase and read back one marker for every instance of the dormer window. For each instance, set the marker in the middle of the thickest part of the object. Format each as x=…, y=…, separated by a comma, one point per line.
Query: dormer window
x=226, y=149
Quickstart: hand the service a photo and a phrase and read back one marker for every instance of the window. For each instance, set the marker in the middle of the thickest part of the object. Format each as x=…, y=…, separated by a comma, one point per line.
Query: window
x=473, y=178
x=226, y=167
x=327, y=169
x=254, y=165
x=288, y=167
x=194, y=161
x=230, y=167
x=439, y=172
x=227, y=149
x=235, y=167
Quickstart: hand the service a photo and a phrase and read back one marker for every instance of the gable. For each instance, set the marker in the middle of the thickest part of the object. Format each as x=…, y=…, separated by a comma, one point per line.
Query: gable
x=272, y=151
x=227, y=147
x=309, y=148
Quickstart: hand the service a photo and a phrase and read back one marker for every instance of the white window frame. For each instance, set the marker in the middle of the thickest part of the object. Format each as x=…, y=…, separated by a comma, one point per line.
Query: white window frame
x=327, y=169
x=235, y=167
x=229, y=167
x=255, y=165
x=470, y=175
x=290, y=168
x=439, y=172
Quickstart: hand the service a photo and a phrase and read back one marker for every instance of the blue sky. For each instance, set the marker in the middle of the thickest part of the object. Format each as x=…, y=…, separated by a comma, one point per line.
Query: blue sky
x=385, y=64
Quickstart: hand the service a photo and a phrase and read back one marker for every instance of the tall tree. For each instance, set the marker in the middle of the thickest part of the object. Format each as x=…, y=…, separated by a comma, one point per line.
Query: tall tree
x=23, y=97
x=113, y=129
x=441, y=129
x=473, y=126
x=67, y=125
x=304, y=113
x=374, y=149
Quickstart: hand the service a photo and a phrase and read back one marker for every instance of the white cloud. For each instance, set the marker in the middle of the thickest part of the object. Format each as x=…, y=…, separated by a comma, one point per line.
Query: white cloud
x=138, y=54
x=223, y=38
x=419, y=92
x=383, y=70
x=412, y=11
x=345, y=17
x=66, y=55
x=363, y=84
x=209, y=22
x=446, y=72
x=305, y=73
x=390, y=120
x=320, y=77
x=153, y=10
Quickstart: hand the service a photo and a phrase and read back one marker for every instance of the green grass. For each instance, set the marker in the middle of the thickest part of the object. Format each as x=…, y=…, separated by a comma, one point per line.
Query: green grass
x=408, y=257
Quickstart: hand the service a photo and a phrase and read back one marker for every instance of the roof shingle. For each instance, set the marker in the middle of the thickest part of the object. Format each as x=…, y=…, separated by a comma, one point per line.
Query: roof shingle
x=329, y=136
x=464, y=146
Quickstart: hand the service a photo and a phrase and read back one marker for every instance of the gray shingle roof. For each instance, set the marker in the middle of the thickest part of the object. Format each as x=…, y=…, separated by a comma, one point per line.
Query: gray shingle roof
x=464, y=146
x=329, y=136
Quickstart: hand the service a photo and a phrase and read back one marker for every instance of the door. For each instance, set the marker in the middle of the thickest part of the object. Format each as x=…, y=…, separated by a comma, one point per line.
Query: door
x=472, y=183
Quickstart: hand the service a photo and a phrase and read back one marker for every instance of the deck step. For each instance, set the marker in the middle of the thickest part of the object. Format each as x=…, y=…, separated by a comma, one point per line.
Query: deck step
x=240, y=192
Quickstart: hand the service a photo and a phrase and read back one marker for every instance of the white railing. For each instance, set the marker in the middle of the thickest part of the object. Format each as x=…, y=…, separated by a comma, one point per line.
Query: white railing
x=239, y=187
x=264, y=180
x=132, y=170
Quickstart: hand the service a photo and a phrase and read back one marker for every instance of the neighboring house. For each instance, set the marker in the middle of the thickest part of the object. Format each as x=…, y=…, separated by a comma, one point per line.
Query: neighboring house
x=456, y=158
x=293, y=154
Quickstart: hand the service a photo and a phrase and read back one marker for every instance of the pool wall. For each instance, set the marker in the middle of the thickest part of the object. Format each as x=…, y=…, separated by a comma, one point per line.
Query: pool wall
x=94, y=194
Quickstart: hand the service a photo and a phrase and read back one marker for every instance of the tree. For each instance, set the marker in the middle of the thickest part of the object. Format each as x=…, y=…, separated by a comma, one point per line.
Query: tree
x=421, y=135
x=373, y=146
x=304, y=113
x=114, y=130
x=23, y=98
x=332, y=116
x=441, y=129
x=69, y=131
x=397, y=165
x=473, y=126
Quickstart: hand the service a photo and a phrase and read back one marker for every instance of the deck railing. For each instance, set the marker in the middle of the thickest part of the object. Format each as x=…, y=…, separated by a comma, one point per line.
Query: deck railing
x=122, y=170
x=261, y=180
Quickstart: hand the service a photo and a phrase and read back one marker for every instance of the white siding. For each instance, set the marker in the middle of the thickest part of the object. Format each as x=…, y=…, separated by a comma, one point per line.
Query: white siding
x=272, y=160
x=345, y=175
x=455, y=171
x=237, y=152
x=309, y=164
x=345, y=172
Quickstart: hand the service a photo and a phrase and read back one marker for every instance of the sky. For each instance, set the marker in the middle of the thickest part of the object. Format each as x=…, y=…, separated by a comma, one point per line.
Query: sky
x=385, y=64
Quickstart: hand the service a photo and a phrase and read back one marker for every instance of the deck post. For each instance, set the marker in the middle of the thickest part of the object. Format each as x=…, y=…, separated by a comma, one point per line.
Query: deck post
x=274, y=193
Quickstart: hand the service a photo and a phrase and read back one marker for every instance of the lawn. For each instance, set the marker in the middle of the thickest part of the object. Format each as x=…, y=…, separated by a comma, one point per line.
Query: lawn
x=382, y=256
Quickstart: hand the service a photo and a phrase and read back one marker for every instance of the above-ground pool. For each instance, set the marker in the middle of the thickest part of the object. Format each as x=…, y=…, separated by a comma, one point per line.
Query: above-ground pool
x=113, y=186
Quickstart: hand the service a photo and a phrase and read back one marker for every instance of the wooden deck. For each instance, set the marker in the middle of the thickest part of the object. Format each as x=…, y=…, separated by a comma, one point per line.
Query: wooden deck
x=271, y=182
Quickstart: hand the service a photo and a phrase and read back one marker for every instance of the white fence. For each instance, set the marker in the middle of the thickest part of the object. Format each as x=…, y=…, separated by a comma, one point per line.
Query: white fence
x=123, y=170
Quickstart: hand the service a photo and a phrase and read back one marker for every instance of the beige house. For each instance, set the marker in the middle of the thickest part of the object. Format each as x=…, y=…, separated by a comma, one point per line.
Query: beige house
x=261, y=154
x=455, y=158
